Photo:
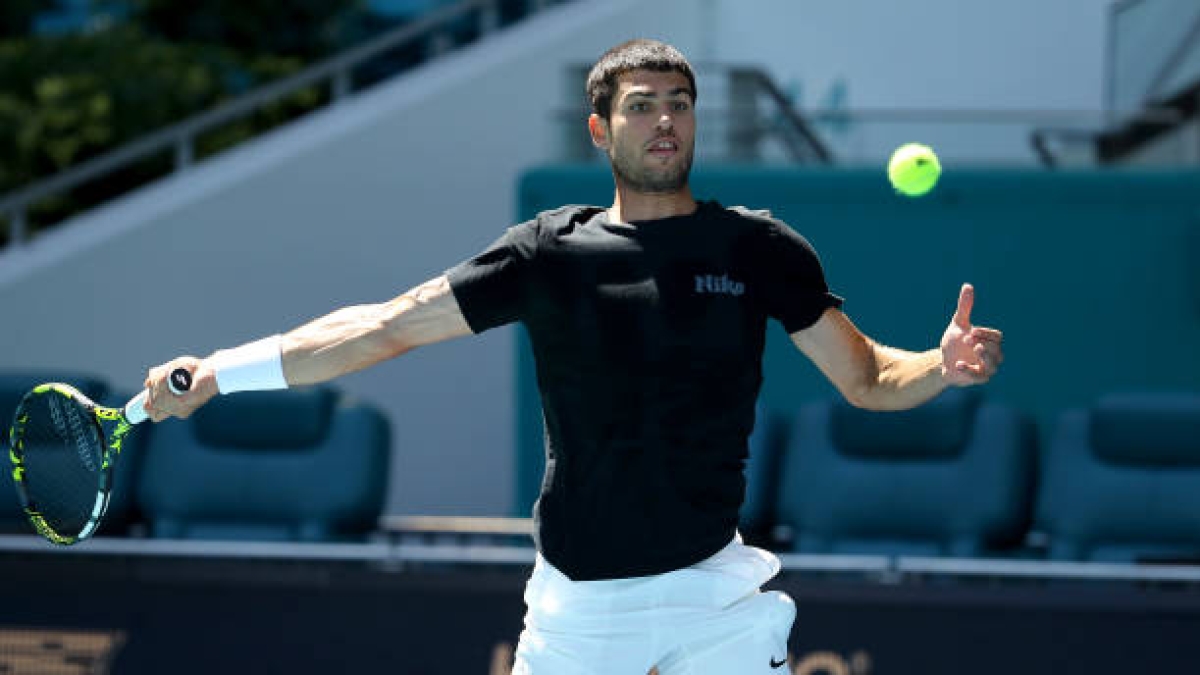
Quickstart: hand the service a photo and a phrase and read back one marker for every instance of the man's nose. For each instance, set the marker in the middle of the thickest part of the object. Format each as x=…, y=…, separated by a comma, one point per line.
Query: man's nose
x=665, y=121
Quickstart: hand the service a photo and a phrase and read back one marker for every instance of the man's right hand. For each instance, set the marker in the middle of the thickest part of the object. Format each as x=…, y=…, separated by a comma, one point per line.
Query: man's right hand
x=162, y=403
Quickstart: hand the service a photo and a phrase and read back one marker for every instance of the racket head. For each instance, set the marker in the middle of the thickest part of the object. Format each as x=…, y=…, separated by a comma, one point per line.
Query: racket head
x=62, y=462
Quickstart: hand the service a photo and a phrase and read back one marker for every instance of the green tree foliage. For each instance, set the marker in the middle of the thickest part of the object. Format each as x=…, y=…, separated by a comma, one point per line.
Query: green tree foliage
x=16, y=15
x=301, y=28
x=65, y=99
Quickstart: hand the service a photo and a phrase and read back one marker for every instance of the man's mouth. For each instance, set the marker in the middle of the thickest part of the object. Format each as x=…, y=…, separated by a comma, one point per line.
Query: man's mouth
x=663, y=147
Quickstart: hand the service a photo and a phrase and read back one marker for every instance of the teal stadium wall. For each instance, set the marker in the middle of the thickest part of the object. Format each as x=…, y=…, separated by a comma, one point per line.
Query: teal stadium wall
x=1093, y=276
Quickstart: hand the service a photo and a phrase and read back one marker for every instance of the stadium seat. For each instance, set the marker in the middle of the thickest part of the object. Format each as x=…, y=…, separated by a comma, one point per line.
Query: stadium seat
x=1122, y=480
x=13, y=385
x=297, y=465
x=954, y=477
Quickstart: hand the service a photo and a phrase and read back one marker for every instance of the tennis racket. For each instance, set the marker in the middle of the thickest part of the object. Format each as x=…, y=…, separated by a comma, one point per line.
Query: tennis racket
x=63, y=449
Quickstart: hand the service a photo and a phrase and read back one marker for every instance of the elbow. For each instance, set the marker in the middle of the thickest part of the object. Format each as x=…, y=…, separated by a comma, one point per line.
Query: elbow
x=859, y=397
x=865, y=388
x=872, y=393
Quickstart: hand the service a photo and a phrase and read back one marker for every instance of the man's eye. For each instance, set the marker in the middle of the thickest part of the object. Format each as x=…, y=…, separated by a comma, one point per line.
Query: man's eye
x=680, y=106
x=638, y=107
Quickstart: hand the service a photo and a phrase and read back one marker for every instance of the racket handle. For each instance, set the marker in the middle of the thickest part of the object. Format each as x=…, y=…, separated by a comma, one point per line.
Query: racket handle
x=178, y=382
x=135, y=410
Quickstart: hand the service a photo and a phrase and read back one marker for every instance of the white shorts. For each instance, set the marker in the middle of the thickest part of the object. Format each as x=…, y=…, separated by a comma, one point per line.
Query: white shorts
x=706, y=619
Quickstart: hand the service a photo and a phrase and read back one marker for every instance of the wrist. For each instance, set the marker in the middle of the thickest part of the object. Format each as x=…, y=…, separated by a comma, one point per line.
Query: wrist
x=256, y=366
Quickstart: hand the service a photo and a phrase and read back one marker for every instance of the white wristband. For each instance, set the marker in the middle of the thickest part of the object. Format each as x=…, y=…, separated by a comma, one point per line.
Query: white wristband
x=256, y=366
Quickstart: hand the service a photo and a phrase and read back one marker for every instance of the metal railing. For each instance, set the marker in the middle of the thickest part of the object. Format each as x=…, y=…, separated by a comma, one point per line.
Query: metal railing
x=794, y=131
x=389, y=552
x=1152, y=69
x=1185, y=52
x=337, y=72
x=1052, y=143
x=731, y=130
x=1146, y=43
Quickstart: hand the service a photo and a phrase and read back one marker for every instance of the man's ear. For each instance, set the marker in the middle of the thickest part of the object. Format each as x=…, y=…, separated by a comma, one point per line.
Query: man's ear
x=598, y=128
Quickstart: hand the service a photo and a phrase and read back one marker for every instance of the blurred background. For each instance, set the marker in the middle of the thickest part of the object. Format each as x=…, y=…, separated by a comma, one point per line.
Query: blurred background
x=177, y=178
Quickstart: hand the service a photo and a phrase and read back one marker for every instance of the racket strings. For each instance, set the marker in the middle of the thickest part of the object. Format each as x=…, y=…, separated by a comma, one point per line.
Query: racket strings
x=63, y=452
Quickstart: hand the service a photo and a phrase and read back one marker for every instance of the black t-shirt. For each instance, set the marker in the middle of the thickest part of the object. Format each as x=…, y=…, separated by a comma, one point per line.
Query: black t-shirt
x=648, y=339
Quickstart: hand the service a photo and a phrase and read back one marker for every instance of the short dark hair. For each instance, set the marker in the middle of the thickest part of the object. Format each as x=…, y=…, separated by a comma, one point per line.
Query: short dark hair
x=639, y=54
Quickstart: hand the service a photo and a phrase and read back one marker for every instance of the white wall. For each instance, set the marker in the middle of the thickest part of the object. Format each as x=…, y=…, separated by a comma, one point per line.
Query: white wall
x=926, y=54
x=360, y=203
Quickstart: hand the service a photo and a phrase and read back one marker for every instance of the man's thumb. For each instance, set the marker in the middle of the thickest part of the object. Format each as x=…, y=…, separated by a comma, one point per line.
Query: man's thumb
x=966, y=300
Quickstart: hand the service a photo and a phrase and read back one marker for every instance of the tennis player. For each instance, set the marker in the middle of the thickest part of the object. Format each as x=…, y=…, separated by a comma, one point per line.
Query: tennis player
x=647, y=320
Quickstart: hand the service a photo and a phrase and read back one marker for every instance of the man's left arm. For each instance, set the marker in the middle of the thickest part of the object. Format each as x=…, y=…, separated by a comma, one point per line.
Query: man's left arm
x=877, y=377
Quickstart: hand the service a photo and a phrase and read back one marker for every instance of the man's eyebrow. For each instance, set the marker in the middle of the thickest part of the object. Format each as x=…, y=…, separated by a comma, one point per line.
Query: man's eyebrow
x=678, y=91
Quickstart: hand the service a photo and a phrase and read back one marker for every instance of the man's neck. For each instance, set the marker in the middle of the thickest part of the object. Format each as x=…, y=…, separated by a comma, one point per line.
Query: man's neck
x=629, y=206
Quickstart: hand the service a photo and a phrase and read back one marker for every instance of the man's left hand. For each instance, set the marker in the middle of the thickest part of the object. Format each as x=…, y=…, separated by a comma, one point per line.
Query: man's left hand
x=970, y=354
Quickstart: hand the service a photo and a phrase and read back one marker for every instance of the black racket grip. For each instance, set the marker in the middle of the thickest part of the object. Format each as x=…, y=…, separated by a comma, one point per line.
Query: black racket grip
x=179, y=381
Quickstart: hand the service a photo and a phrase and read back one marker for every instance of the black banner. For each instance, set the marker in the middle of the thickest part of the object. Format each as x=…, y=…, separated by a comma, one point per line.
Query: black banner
x=147, y=615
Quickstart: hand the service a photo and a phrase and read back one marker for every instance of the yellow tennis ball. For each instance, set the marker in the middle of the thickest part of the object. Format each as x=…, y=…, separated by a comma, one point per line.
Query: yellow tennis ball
x=914, y=169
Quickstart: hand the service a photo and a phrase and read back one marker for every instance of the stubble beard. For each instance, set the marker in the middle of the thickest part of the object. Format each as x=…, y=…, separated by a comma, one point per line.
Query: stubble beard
x=638, y=178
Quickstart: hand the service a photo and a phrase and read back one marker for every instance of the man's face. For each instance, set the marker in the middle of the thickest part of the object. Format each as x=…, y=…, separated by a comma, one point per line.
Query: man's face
x=651, y=131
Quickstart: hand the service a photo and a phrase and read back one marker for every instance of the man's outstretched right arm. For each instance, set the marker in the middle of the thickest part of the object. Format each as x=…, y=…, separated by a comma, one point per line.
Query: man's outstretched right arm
x=355, y=338
x=344, y=341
